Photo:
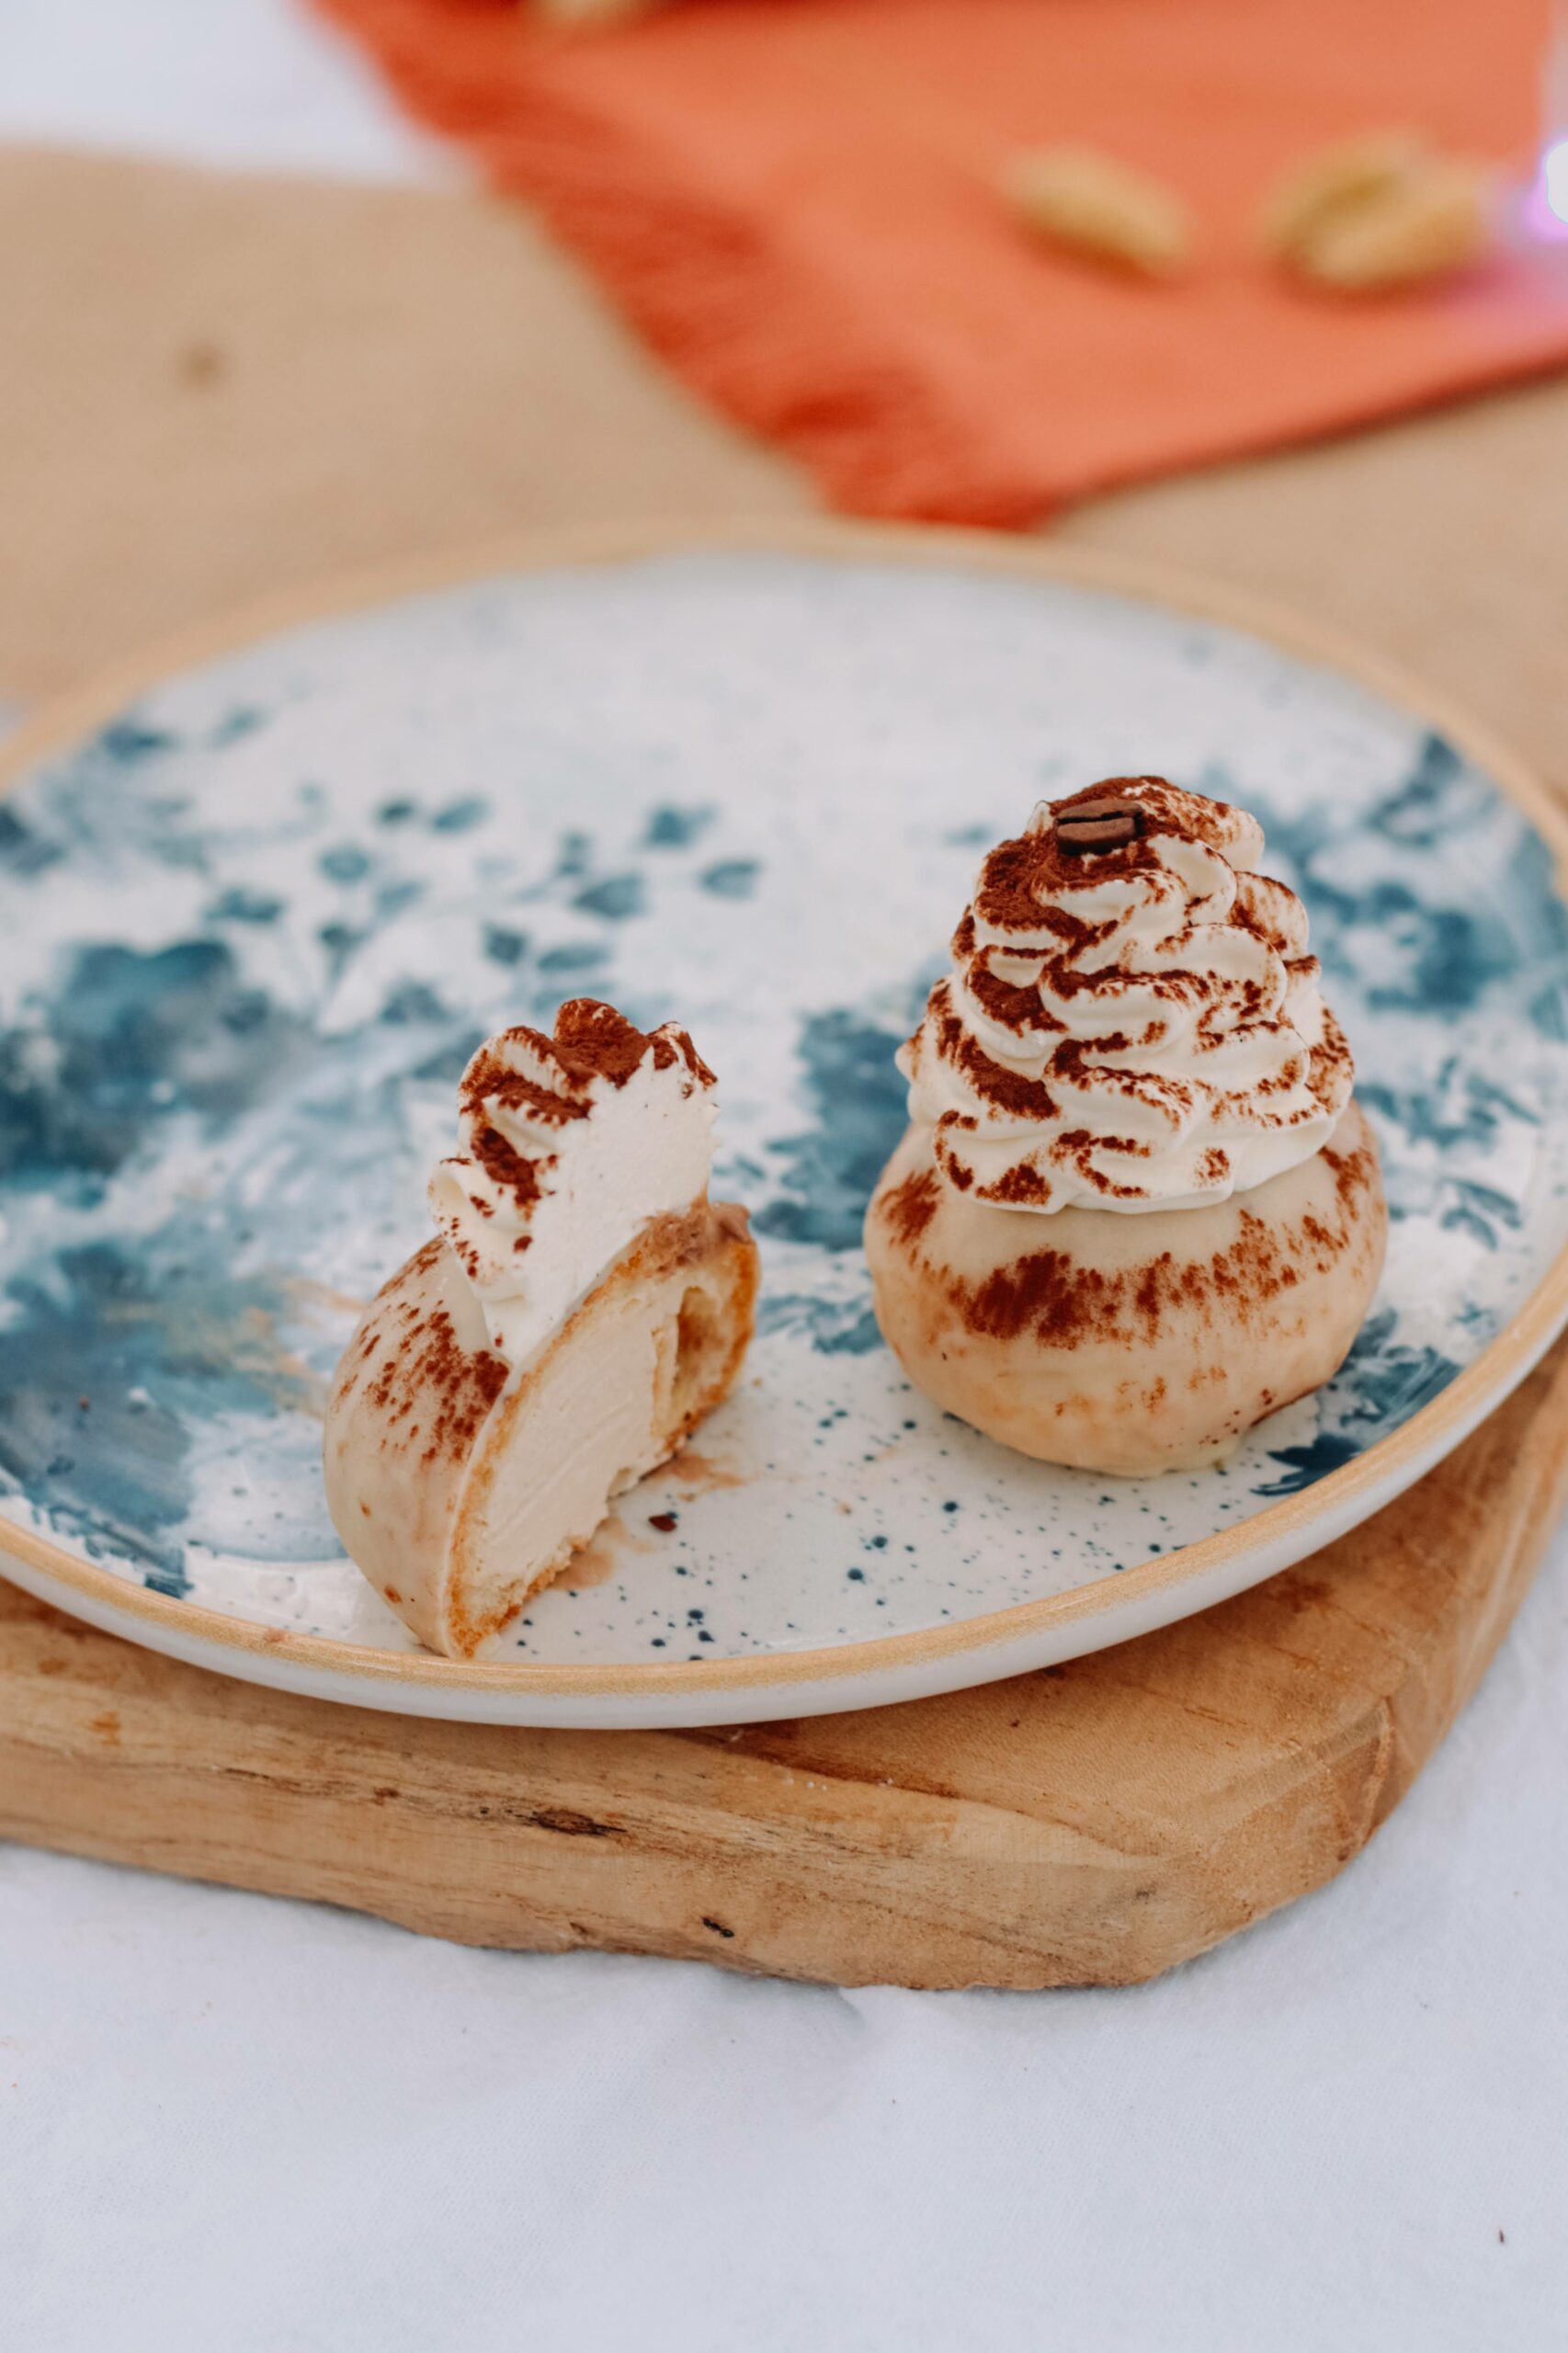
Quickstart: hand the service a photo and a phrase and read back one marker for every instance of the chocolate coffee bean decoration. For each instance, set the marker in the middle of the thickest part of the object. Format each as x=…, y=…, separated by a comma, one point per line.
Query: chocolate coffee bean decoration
x=1094, y=825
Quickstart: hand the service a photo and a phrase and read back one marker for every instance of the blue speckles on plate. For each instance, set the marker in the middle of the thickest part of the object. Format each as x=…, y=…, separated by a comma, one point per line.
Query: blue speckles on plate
x=256, y=927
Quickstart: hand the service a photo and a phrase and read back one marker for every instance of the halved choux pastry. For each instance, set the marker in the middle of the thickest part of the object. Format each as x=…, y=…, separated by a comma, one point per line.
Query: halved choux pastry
x=581, y=1309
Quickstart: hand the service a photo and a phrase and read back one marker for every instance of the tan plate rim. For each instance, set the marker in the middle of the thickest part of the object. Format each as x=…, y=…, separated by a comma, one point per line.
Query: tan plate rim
x=1284, y=1530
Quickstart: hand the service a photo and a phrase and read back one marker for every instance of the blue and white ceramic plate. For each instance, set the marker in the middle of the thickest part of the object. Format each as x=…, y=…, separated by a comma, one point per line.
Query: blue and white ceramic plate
x=256, y=913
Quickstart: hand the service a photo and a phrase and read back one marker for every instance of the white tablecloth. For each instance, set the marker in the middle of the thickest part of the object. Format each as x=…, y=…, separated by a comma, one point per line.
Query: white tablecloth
x=231, y=2125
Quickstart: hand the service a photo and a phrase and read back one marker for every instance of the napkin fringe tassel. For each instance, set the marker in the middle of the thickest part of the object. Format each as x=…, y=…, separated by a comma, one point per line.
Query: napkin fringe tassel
x=775, y=347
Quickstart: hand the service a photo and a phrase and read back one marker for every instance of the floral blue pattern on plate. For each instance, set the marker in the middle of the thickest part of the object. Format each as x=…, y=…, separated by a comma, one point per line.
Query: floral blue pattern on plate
x=255, y=926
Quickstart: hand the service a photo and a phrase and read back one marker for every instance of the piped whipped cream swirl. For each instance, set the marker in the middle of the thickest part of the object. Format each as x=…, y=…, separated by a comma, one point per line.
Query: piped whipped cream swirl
x=571, y=1146
x=1134, y=1027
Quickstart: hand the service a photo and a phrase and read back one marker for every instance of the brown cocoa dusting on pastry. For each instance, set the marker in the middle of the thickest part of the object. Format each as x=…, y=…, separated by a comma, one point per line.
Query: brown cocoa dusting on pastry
x=1257, y=1267
x=1153, y=1287
x=591, y=1040
x=1009, y=1090
x=424, y=1258
x=1063, y=1302
x=1046, y=1292
x=1248, y=914
x=1016, y=1186
x=1070, y=1056
x=432, y=1367
x=1008, y=895
x=1011, y=1005
x=1017, y=873
x=1327, y=1066
x=1076, y=1150
x=1022, y=920
x=489, y=1080
x=508, y=1170
x=909, y=1208
x=1354, y=1171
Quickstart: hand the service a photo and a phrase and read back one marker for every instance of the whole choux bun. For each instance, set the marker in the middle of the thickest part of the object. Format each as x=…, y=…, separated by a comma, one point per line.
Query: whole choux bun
x=1128, y=1344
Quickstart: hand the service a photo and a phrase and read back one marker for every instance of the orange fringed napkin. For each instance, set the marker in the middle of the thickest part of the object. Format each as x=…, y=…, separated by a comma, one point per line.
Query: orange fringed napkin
x=793, y=200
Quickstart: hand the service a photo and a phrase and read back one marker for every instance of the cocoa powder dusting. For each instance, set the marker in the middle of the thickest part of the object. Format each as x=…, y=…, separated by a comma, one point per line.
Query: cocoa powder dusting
x=422, y=1261
x=507, y=1168
x=431, y=1367
x=1009, y=895
x=1046, y=1292
x=1020, y=1184
x=490, y=1080
x=911, y=1206
x=1354, y=1171
x=591, y=1040
x=1063, y=1302
x=1077, y=1149
x=1011, y=1005
x=1009, y=1089
x=1020, y=873
x=1061, y=973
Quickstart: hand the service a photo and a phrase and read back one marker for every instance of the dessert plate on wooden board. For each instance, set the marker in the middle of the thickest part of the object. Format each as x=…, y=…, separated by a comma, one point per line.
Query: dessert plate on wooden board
x=260, y=900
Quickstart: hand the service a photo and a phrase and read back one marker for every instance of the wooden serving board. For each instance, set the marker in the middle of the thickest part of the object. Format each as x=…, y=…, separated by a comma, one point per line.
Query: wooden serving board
x=1092, y=1824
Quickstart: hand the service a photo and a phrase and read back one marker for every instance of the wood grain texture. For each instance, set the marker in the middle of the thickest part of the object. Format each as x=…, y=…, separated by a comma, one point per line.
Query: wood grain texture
x=1094, y=1824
